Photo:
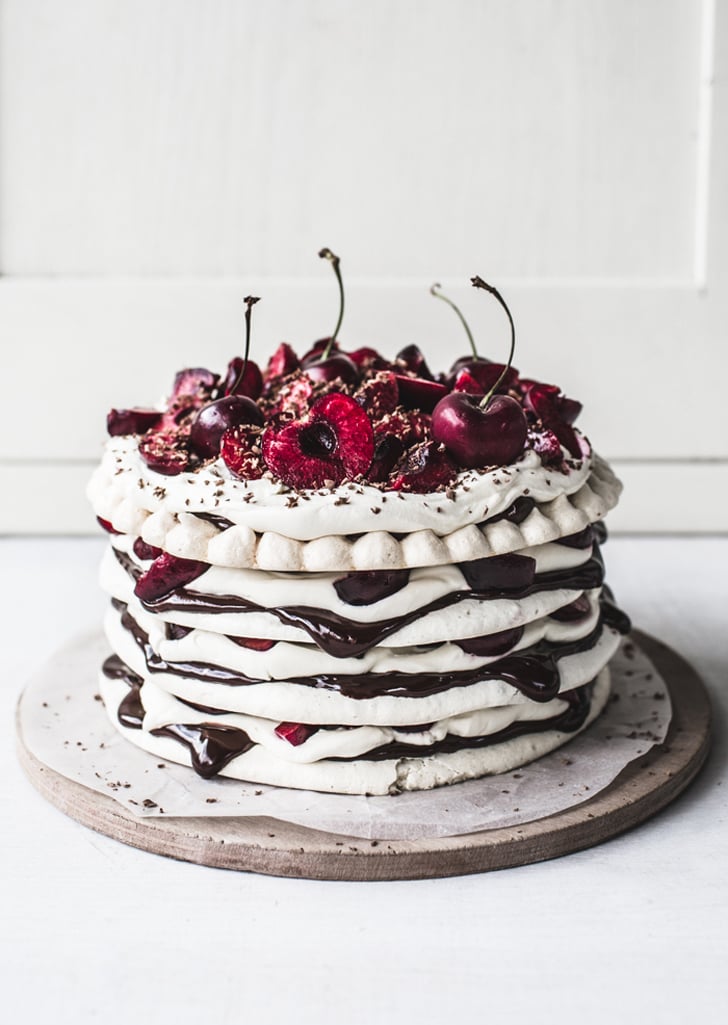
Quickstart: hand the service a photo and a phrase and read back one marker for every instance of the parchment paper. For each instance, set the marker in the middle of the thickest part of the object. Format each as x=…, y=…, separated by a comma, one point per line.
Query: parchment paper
x=64, y=724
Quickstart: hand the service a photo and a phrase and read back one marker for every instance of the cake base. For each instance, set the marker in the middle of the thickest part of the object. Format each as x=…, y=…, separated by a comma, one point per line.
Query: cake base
x=280, y=848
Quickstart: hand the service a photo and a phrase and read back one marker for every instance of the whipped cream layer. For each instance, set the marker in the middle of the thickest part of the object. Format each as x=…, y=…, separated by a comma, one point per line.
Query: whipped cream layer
x=387, y=698
x=336, y=760
x=208, y=516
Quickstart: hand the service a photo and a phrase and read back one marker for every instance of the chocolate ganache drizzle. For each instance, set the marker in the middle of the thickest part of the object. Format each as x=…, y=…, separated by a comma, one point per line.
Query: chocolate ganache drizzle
x=212, y=747
x=533, y=671
x=505, y=576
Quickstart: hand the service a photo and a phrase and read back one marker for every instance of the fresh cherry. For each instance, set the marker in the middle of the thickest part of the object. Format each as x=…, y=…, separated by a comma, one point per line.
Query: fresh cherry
x=478, y=437
x=482, y=432
x=195, y=382
x=379, y=394
x=107, y=525
x=336, y=367
x=166, y=451
x=367, y=357
x=412, y=359
x=144, y=551
x=282, y=363
x=295, y=732
x=165, y=574
x=242, y=378
x=211, y=422
x=419, y=392
x=426, y=468
x=240, y=451
x=366, y=587
x=479, y=377
x=388, y=450
x=254, y=643
x=334, y=443
x=131, y=421
x=319, y=364
x=556, y=413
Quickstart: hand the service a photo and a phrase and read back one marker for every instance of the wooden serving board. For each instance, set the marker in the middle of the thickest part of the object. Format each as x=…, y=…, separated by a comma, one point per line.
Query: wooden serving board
x=280, y=848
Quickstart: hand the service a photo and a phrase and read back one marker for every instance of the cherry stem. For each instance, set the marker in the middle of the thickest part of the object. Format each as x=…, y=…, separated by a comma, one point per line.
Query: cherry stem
x=334, y=260
x=434, y=290
x=479, y=283
x=250, y=301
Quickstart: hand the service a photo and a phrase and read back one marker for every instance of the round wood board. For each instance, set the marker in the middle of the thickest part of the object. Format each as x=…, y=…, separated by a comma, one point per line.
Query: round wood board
x=280, y=848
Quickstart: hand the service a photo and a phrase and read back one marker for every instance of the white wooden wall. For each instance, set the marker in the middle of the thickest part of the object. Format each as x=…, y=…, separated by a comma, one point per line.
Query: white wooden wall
x=159, y=159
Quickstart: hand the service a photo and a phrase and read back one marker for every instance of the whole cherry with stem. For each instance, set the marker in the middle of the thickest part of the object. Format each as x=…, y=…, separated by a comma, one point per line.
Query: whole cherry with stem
x=243, y=376
x=482, y=431
x=475, y=373
x=211, y=422
x=325, y=366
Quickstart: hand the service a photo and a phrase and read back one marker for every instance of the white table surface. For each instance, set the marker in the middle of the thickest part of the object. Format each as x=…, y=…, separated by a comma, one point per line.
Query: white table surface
x=635, y=930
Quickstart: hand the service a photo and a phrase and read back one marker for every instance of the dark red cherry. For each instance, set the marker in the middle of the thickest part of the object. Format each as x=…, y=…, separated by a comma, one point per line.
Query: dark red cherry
x=251, y=382
x=336, y=367
x=212, y=420
x=144, y=551
x=556, y=412
x=367, y=357
x=295, y=732
x=419, y=392
x=427, y=467
x=107, y=525
x=166, y=451
x=486, y=375
x=366, y=587
x=165, y=574
x=131, y=421
x=388, y=450
x=282, y=363
x=197, y=382
x=412, y=358
x=477, y=437
x=254, y=643
x=317, y=350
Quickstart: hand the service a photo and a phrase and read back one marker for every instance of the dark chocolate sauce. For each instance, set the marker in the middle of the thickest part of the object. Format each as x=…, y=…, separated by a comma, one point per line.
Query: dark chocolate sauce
x=491, y=644
x=568, y=721
x=218, y=521
x=532, y=671
x=584, y=539
x=346, y=638
x=516, y=513
x=131, y=711
x=210, y=747
x=575, y=611
x=506, y=574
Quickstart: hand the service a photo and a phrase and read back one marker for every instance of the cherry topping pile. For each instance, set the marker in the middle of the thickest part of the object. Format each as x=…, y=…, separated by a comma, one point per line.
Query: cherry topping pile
x=330, y=417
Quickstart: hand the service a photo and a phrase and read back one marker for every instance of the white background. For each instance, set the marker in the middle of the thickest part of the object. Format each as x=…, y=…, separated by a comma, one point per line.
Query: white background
x=159, y=159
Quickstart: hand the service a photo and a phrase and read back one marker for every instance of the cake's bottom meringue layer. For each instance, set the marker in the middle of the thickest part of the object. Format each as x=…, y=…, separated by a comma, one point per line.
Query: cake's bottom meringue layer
x=342, y=760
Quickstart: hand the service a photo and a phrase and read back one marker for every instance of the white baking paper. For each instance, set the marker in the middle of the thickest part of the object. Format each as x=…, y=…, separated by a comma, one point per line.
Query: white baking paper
x=64, y=724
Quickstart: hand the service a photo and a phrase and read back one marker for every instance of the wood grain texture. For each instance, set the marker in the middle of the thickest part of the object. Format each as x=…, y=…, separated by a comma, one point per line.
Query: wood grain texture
x=276, y=848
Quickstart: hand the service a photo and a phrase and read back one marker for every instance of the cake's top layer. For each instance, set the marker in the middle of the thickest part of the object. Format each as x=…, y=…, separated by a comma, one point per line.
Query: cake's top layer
x=350, y=461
